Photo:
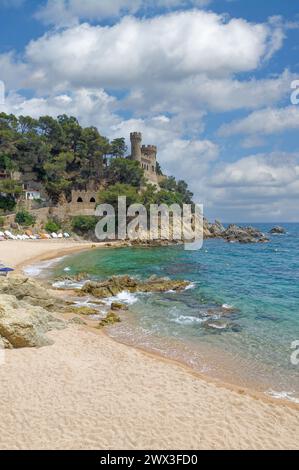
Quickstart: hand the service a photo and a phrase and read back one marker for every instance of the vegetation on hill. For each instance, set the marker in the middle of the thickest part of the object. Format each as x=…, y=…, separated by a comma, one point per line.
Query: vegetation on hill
x=61, y=155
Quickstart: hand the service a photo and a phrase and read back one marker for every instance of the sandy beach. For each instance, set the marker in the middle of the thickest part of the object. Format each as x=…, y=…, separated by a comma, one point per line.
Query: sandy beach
x=89, y=392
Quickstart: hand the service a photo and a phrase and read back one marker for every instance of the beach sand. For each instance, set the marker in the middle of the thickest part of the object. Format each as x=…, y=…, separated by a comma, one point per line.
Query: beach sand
x=17, y=253
x=89, y=392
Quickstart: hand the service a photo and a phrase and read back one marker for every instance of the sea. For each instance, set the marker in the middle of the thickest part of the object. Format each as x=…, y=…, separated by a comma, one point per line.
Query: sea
x=237, y=322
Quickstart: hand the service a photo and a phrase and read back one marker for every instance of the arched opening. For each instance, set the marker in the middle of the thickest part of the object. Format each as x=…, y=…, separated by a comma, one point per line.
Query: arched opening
x=80, y=200
x=92, y=200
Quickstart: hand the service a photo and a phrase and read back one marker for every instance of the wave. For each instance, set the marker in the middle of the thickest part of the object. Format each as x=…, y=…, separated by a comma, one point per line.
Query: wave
x=283, y=396
x=67, y=284
x=227, y=307
x=37, y=269
x=124, y=297
x=188, y=320
x=191, y=286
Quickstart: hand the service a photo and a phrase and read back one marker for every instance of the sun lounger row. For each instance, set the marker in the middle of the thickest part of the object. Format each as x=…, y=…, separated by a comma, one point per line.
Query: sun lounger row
x=28, y=235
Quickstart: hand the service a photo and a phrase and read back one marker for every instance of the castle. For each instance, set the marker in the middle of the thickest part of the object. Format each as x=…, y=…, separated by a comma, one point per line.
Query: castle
x=146, y=155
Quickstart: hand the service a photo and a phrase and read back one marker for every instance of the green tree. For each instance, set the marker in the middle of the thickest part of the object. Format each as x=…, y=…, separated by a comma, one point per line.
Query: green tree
x=25, y=218
x=126, y=171
x=53, y=225
x=110, y=196
x=10, y=187
x=83, y=224
x=118, y=147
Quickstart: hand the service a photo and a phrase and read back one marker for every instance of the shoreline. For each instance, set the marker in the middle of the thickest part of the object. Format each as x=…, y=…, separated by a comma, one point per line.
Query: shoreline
x=173, y=405
x=257, y=395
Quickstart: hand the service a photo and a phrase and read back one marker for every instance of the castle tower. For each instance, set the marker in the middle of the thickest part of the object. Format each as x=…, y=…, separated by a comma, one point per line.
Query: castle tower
x=136, y=139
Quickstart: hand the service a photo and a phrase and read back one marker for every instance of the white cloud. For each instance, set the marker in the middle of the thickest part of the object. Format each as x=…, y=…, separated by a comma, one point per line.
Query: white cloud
x=68, y=12
x=135, y=51
x=266, y=121
x=215, y=94
x=13, y=72
x=260, y=187
x=93, y=108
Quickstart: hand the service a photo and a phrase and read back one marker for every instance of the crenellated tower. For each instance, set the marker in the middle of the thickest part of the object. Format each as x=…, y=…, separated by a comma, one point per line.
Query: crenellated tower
x=136, y=139
x=146, y=155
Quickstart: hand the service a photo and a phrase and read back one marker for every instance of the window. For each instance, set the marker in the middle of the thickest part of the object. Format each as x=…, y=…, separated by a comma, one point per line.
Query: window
x=92, y=200
x=80, y=200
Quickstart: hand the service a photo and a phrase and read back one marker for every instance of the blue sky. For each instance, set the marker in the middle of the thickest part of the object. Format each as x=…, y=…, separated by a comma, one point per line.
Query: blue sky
x=208, y=81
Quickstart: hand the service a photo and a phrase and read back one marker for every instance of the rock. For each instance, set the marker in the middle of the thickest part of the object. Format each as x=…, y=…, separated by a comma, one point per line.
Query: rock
x=30, y=291
x=82, y=276
x=23, y=325
x=86, y=311
x=244, y=235
x=234, y=233
x=110, y=319
x=117, y=284
x=118, y=306
x=278, y=231
x=216, y=324
x=4, y=344
x=216, y=229
x=77, y=321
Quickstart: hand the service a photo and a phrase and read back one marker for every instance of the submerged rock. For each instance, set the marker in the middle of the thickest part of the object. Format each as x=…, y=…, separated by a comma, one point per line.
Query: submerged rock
x=278, y=231
x=85, y=311
x=222, y=325
x=77, y=321
x=23, y=325
x=118, y=284
x=110, y=319
x=82, y=276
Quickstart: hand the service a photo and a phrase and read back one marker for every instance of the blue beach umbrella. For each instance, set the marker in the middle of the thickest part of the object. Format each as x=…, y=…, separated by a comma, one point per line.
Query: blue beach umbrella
x=5, y=270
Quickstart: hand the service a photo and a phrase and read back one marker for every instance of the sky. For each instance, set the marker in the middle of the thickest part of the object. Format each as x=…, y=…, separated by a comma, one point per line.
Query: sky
x=207, y=81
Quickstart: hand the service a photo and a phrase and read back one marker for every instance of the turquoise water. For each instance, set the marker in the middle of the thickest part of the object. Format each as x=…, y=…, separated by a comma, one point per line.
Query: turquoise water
x=255, y=287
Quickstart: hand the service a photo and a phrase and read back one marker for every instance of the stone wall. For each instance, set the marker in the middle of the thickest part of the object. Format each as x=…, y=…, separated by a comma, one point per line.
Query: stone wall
x=62, y=212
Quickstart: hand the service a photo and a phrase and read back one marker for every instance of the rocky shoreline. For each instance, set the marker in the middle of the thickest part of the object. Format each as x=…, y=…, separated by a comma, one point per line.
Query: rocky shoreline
x=28, y=310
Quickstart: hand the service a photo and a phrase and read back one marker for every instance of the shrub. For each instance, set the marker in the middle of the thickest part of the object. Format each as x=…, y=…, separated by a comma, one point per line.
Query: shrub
x=7, y=203
x=25, y=218
x=52, y=226
x=83, y=224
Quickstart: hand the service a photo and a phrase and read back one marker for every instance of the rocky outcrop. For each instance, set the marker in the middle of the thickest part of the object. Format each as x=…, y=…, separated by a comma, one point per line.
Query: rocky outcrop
x=244, y=235
x=234, y=233
x=278, y=231
x=29, y=291
x=24, y=325
x=117, y=284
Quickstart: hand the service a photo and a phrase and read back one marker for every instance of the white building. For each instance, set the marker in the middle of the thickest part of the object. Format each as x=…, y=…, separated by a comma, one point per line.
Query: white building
x=32, y=195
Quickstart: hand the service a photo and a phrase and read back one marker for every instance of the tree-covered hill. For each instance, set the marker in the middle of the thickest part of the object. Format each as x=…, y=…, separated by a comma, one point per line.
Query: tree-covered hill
x=59, y=155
